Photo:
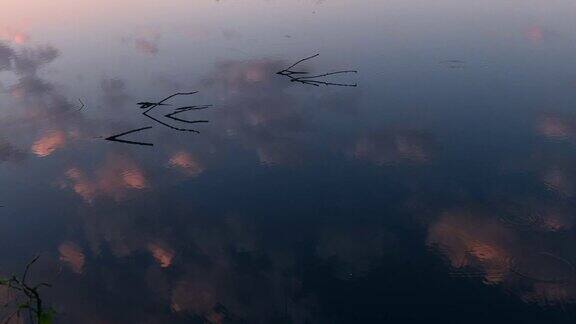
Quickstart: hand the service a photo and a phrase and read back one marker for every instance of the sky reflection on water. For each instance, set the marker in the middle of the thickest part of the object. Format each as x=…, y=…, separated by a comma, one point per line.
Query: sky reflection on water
x=439, y=189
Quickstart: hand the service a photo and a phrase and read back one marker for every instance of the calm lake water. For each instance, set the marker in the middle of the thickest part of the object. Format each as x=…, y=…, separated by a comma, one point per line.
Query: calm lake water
x=441, y=188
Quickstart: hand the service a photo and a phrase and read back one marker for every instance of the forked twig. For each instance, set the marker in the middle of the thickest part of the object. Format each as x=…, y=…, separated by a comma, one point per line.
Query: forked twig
x=146, y=104
x=310, y=80
x=115, y=138
x=287, y=71
x=160, y=103
x=149, y=106
x=185, y=109
x=327, y=74
x=81, y=105
x=318, y=83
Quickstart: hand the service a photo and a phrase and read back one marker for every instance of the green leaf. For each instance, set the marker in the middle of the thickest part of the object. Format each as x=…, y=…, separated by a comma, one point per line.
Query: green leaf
x=21, y=306
x=46, y=317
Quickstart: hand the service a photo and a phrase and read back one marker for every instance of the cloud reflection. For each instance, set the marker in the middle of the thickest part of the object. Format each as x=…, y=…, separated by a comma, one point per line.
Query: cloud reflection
x=144, y=41
x=72, y=255
x=48, y=143
x=162, y=254
x=187, y=163
x=14, y=35
x=473, y=240
x=557, y=126
x=478, y=245
x=115, y=178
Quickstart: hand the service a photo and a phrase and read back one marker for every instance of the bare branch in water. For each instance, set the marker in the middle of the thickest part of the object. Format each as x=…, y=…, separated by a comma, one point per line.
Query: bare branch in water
x=27, y=269
x=287, y=70
x=115, y=138
x=149, y=106
x=146, y=104
x=81, y=105
x=161, y=102
x=178, y=110
x=185, y=109
x=318, y=83
x=327, y=74
x=310, y=79
x=33, y=302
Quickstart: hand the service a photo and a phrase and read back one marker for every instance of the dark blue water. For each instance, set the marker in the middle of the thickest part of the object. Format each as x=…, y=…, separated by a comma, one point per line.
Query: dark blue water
x=437, y=185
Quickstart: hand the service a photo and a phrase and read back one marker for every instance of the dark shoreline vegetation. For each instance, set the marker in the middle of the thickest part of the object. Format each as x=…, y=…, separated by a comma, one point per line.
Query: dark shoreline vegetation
x=26, y=303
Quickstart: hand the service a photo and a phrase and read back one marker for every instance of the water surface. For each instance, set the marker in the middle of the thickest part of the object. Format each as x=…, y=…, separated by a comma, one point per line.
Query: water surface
x=442, y=188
